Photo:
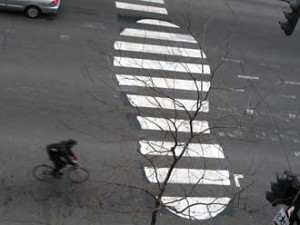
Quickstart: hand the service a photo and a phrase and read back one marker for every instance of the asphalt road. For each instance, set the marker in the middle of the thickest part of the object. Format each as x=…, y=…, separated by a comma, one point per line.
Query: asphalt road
x=57, y=81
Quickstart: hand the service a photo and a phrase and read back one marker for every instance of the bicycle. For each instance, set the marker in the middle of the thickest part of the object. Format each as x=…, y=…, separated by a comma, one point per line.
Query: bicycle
x=75, y=174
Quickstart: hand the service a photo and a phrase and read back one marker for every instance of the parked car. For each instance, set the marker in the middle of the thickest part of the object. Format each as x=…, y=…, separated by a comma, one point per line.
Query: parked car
x=32, y=8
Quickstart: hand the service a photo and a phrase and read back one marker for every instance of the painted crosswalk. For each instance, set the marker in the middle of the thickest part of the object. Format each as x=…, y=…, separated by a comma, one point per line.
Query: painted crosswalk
x=158, y=35
x=138, y=7
x=166, y=83
x=188, y=176
x=150, y=64
x=193, y=149
x=146, y=74
x=158, y=49
x=168, y=103
x=157, y=23
x=203, y=207
x=170, y=124
x=154, y=1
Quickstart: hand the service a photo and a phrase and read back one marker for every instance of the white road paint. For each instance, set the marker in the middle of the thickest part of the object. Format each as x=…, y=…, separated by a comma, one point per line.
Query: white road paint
x=236, y=179
x=237, y=90
x=221, y=134
x=232, y=60
x=289, y=96
x=199, y=208
x=163, y=124
x=196, y=208
x=192, y=150
x=154, y=1
x=297, y=154
x=167, y=103
x=292, y=82
x=158, y=49
x=292, y=116
x=93, y=25
x=248, y=77
x=131, y=32
x=157, y=23
x=161, y=65
x=143, y=8
x=250, y=111
x=297, y=141
x=65, y=37
x=270, y=65
x=157, y=82
x=188, y=176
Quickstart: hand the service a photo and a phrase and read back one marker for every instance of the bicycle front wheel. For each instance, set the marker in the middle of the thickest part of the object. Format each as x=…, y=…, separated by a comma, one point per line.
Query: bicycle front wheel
x=78, y=175
x=42, y=172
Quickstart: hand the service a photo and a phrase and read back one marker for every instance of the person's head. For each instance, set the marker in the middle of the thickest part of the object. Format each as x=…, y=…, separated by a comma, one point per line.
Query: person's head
x=71, y=142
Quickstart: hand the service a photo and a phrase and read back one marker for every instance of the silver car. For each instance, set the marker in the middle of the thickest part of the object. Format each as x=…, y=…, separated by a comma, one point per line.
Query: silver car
x=32, y=8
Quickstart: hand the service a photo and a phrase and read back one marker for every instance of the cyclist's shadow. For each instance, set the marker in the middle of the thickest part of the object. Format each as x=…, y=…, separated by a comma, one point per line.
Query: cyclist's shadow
x=57, y=188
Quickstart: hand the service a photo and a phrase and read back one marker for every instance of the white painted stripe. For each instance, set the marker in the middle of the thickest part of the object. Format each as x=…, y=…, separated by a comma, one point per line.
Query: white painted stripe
x=158, y=49
x=237, y=90
x=196, y=208
x=289, y=96
x=250, y=111
x=232, y=60
x=248, y=77
x=188, y=176
x=158, y=35
x=154, y=1
x=292, y=82
x=270, y=65
x=156, y=82
x=143, y=8
x=154, y=123
x=236, y=179
x=193, y=149
x=161, y=65
x=292, y=116
x=157, y=23
x=167, y=103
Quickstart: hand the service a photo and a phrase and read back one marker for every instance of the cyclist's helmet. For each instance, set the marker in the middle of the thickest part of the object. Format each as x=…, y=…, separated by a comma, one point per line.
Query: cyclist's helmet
x=72, y=142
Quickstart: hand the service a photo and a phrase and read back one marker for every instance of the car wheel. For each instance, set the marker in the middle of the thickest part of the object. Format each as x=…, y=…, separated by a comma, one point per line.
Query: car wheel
x=33, y=11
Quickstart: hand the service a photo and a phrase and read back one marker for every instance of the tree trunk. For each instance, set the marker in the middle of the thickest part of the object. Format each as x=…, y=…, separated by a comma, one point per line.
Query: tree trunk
x=154, y=214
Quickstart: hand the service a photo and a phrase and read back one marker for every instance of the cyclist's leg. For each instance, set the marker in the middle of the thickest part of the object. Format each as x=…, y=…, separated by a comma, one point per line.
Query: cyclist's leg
x=58, y=165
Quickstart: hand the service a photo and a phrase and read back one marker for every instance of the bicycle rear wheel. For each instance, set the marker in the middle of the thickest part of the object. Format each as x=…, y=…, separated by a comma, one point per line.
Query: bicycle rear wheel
x=78, y=175
x=42, y=172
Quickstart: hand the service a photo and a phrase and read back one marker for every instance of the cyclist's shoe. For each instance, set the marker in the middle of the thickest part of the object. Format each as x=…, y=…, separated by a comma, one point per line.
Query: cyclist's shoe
x=74, y=163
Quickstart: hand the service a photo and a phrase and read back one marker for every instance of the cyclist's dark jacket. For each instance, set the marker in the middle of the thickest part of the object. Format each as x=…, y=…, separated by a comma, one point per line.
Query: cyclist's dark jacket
x=59, y=151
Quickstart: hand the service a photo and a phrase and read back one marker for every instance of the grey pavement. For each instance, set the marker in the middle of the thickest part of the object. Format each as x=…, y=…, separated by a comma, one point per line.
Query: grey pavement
x=57, y=82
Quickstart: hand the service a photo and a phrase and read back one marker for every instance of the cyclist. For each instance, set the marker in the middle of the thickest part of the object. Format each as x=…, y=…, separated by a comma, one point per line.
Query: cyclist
x=61, y=154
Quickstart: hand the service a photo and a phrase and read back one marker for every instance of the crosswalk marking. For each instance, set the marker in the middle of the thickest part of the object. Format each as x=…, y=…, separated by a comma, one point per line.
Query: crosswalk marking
x=154, y=1
x=158, y=35
x=193, y=149
x=158, y=49
x=199, y=208
x=167, y=103
x=157, y=23
x=157, y=82
x=163, y=124
x=161, y=65
x=188, y=176
x=196, y=208
x=144, y=8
